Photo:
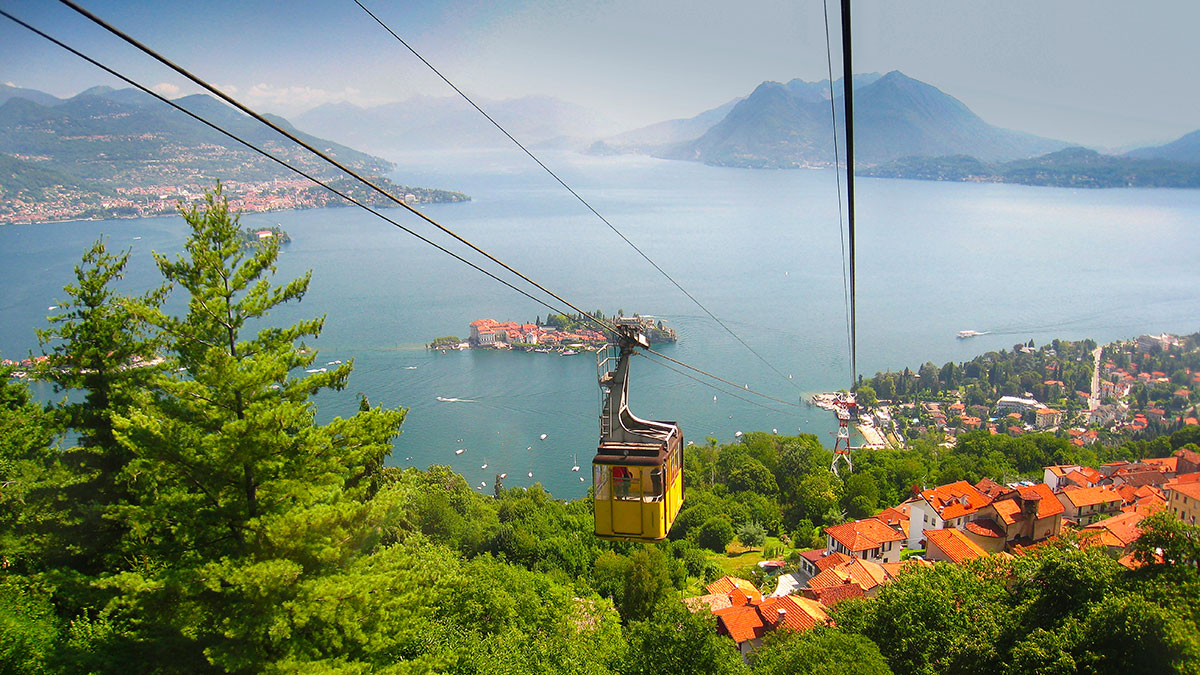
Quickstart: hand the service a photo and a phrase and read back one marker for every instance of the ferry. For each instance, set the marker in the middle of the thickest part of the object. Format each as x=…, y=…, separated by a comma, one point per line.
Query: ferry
x=963, y=334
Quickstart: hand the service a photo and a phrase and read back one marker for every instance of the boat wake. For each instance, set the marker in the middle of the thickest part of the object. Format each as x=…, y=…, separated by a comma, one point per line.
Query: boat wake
x=443, y=399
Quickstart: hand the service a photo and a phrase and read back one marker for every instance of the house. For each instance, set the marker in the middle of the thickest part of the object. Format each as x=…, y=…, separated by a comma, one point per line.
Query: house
x=1118, y=532
x=817, y=560
x=727, y=584
x=950, y=505
x=1186, y=461
x=1054, y=475
x=868, y=539
x=1009, y=404
x=895, y=518
x=951, y=545
x=1046, y=418
x=867, y=575
x=1137, y=475
x=1085, y=505
x=748, y=622
x=1026, y=514
x=1183, y=501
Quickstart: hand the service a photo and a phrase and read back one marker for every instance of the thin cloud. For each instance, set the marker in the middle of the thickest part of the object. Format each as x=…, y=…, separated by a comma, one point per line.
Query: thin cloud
x=166, y=89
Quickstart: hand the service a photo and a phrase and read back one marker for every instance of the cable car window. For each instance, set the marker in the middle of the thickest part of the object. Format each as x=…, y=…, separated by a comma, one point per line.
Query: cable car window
x=602, y=482
x=656, y=486
x=626, y=485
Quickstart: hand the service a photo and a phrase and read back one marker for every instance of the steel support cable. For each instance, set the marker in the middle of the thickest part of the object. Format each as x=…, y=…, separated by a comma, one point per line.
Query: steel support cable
x=216, y=92
x=739, y=387
x=848, y=95
x=292, y=137
x=837, y=175
x=711, y=386
x=269, y=156
x=575, y=194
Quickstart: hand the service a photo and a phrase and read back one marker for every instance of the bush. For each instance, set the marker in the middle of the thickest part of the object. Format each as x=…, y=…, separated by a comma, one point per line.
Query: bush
x=752, y=535
x=715, y=534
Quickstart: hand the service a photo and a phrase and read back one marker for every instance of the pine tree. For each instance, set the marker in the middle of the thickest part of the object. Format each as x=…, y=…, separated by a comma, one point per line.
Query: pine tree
x=97, y=346
x=240, y=493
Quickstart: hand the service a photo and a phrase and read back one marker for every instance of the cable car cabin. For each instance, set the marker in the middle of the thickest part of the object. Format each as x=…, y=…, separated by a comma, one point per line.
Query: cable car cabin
x=637, y=473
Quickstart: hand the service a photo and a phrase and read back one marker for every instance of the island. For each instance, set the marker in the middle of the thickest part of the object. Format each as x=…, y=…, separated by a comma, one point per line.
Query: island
x=566, y=334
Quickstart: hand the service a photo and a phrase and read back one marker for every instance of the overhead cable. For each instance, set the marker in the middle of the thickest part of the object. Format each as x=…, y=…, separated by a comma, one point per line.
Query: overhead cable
x=742, y=387
x=571, y=190
x=292, y=137
x=271, y=157
x=338, y=165
x=837, y=176
x=709, y=385
x=848, y=95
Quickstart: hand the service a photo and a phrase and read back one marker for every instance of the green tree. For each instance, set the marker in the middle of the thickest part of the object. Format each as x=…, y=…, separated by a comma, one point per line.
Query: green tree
x=752, y=535
x=238, y=493
x=97, y=345
x=675, y=641
x=715, y=534
x=820, y=650
x=865, y=395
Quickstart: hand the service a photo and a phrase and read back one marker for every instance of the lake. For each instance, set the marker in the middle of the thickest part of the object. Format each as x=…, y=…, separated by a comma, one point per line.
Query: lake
x=760, y=249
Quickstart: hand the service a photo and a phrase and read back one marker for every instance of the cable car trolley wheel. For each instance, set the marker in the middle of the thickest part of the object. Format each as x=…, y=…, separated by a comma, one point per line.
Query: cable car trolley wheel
x=637, y=473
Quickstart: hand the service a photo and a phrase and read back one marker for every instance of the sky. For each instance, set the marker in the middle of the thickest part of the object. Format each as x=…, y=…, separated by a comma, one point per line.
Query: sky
x=1105, y=73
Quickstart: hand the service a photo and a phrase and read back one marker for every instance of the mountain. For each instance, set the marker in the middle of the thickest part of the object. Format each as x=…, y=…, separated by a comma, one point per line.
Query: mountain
x=647, y=138
x=42, y=98
x=104, y=134
x=107, y=153
x=424, y=123
x=1071, y=167
x=789, y=125
x=1184, y=149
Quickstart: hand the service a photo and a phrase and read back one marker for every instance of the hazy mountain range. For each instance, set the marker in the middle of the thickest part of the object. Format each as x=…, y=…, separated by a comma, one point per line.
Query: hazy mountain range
x=103, y=139
x=431, y=123
x=106, y=135
x=791, y=125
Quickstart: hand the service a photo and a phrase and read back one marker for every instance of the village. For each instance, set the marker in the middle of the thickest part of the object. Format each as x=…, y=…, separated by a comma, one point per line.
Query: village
x=952, y=524
x=1149, y=385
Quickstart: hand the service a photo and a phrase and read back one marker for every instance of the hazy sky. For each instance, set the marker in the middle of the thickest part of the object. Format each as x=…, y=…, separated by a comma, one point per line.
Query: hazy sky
x=1102, y=72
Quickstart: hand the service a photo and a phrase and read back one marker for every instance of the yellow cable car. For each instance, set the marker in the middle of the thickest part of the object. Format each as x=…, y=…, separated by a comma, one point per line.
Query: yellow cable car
x=637, y=473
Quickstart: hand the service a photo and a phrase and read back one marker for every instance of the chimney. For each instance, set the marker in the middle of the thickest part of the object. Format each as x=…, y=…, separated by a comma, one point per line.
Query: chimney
x=780, y=615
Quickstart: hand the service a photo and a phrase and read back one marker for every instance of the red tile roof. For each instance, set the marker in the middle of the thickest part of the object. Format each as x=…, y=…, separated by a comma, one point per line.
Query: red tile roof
x=832, y=560
x=727, y=584
x=740, y=623
x=1189, y=489
x=1124, y=527
x=866, y=574
x=955, y=499
x=1094, y=495
x=954, y=544
x=863, y=535
x=754, y=620
x=986, y=528
x=832, y=595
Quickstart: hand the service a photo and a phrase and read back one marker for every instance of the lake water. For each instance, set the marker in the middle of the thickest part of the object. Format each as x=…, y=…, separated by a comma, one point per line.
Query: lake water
x=761, y=249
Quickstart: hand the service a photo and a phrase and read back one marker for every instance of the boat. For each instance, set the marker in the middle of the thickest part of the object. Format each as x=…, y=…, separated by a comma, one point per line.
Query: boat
x=503, y=476
x=569, y=352
x=531, y=474
x=543, y=437
x=964, y=334
x=484, y=465
x=460, y=451
x=576, y=466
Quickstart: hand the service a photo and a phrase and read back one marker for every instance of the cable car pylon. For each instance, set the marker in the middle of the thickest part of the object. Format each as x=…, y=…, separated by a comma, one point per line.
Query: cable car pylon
x=847, y=410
